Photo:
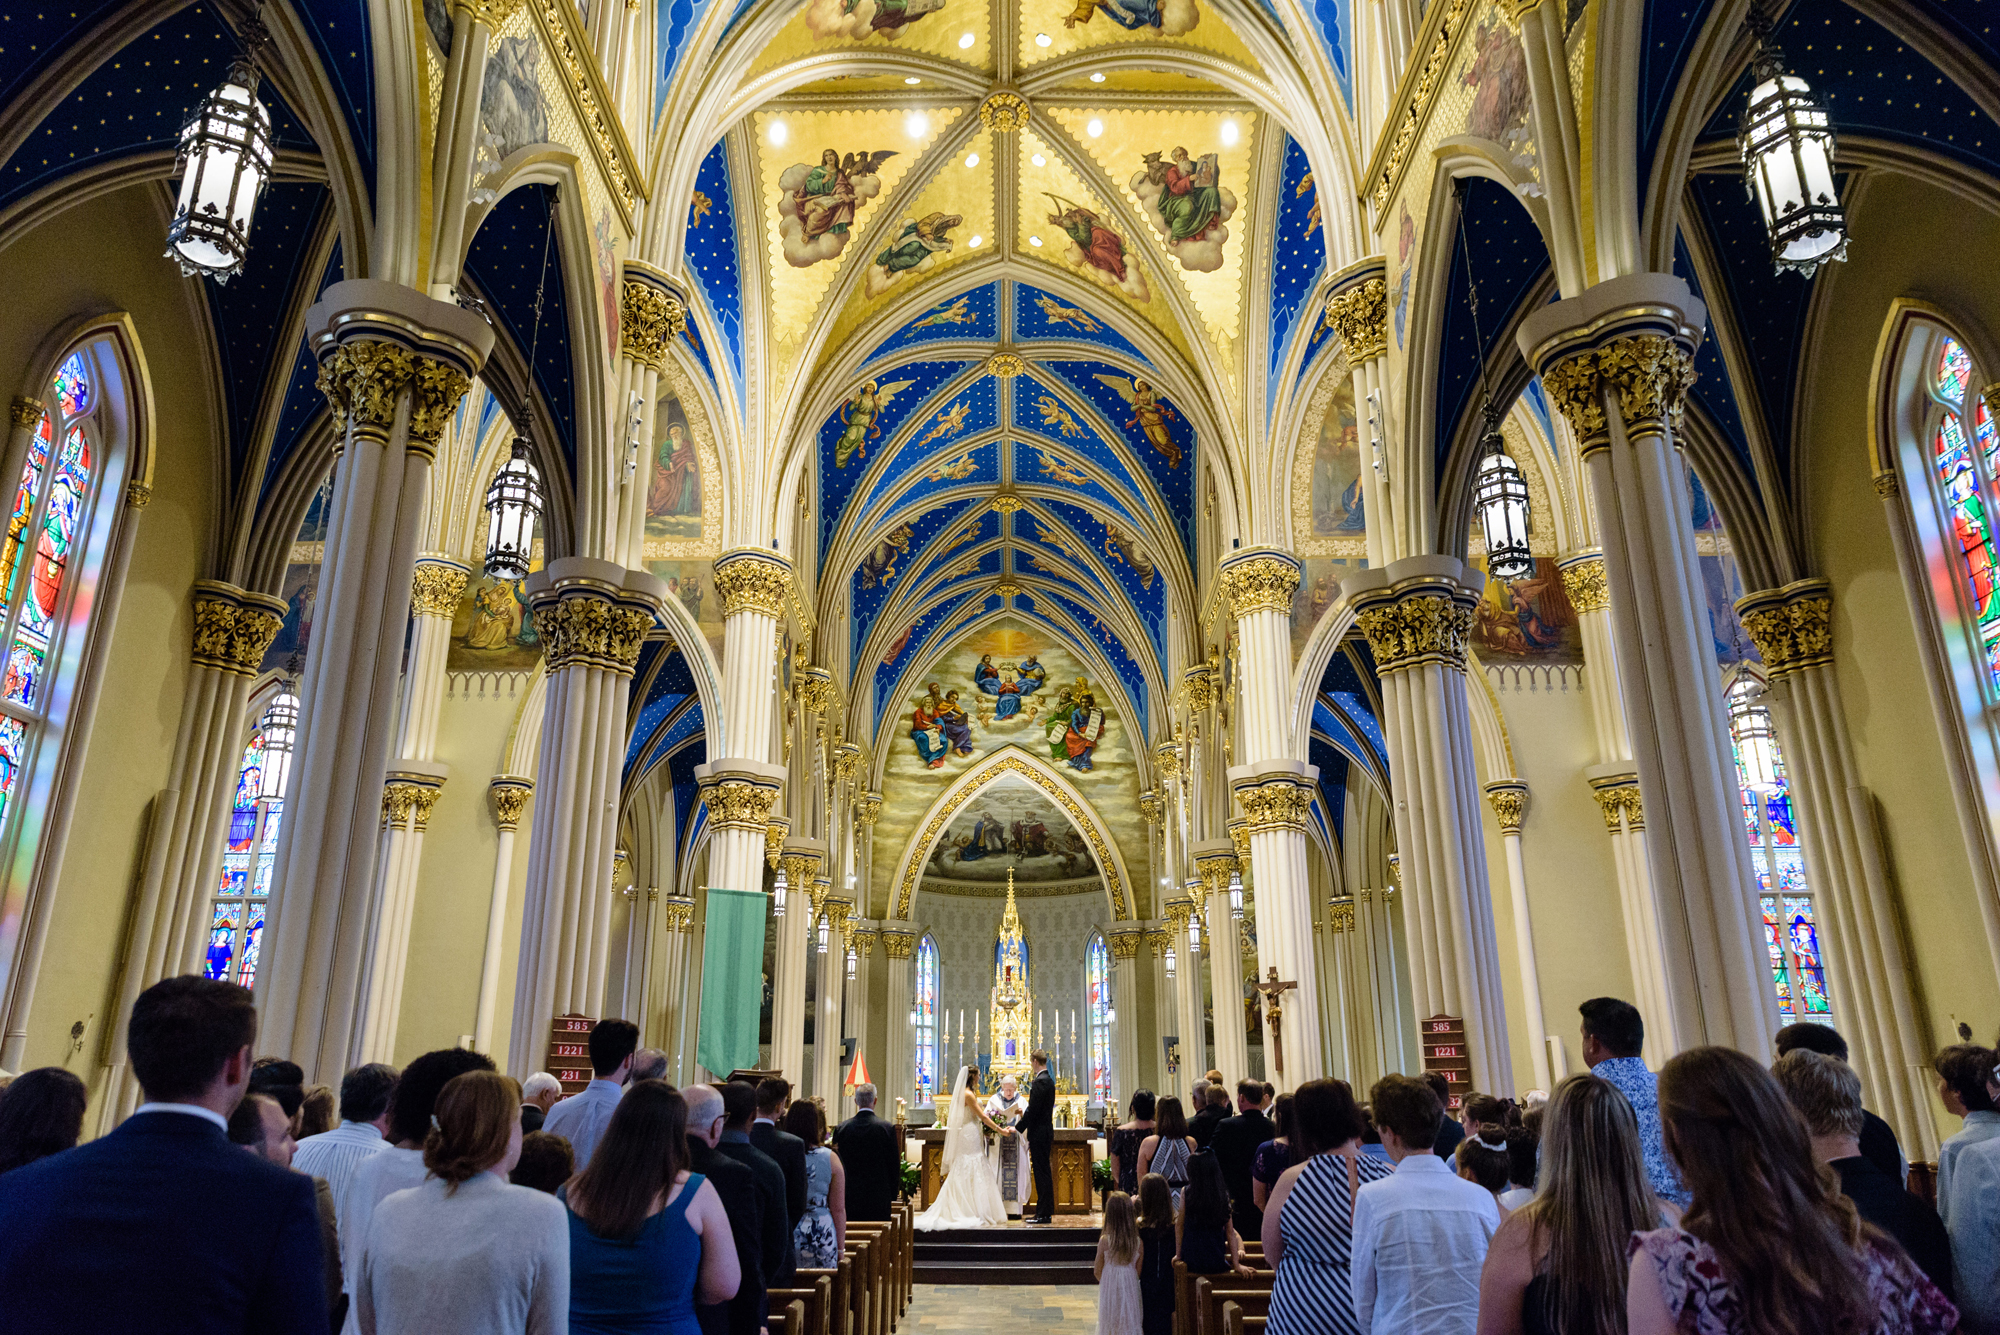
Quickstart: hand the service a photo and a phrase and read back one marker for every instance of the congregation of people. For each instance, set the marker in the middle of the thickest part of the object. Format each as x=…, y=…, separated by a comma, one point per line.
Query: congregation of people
x=1714, y=1197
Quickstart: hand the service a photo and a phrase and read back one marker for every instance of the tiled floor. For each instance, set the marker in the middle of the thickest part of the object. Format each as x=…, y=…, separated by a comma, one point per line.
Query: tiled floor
x=1000, y=1307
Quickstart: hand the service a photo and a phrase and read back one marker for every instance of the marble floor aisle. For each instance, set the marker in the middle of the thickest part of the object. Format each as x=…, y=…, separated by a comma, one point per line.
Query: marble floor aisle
x=948, y=1309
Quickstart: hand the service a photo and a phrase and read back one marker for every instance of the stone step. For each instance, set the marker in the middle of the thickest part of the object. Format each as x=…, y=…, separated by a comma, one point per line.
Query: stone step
x=1055, y=1254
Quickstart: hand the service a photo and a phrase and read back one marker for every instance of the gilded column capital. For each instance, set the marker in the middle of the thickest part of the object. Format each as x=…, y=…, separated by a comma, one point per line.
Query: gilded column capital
x=775, y=830
x=1151, y=807
x=1214, y=861
x=1239, y=839
x=1427, y=627
x=436, y=587
x=1125, y=945
x=399, y=798
x=815, y=689
x=645, y=326
x=1887, y=486
x=1167, y=758
x=898, y=944
x=435, y=390
x=1157, y=941
x=1792, y=626
x=1509, y=799
x=25, y=411
x=1583, y=581
x=1360, y=316
x=750, y=579
x=1200, y=683
x=1620, y=804
x=1178, y=911
x=1572, y=386
x=739, y=794
x=846, y=760
x=868, y=808
x=863, y=939
x=1340, y=912
x=233, y=628
x=801, y=862
x=1260, y=580
x=363, y=381
x=677, y=913
x=421, y=804
x=138, y=495
x=509, y=796
x=581, y=625
x=1634, y=336
x=1277, y=802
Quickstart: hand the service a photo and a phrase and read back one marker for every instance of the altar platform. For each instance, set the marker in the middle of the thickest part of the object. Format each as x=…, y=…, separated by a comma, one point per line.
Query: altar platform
x=1012, y=1253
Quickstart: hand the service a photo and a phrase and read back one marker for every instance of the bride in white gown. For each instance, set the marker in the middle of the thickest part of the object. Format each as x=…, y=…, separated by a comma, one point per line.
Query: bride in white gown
x=970, y=1197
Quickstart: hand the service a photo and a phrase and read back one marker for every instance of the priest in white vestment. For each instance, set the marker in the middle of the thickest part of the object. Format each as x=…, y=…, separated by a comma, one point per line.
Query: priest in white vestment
x=1009, y=1153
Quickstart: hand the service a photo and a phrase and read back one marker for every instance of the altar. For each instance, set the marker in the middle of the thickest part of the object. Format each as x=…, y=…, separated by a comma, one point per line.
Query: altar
x=1070, y=1159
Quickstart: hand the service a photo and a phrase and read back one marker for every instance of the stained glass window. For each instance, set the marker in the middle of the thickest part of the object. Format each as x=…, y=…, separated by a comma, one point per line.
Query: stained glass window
x=1963, y=467
x=923, y=1014
x=1097, y=1005
x=1791, y=932
x=236, y=927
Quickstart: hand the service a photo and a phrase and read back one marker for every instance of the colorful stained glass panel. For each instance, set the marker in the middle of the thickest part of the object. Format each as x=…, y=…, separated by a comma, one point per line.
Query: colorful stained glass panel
x=1097, y=1001
x=222, y=939
x=926, y=1003
x=24, y=671
x=1774, y=949
x=24, y=505
x=73, y=386
x=1954, y=370
x=13, y=746
x=253, y=939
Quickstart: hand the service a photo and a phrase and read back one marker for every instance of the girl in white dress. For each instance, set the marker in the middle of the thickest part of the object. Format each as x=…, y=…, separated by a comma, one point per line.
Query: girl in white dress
x=971, y=1196
x=1121, y=1310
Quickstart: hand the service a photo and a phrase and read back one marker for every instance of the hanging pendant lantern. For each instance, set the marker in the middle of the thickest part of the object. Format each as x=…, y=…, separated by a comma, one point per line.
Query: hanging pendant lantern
x=224, y=161
x=1501, y=494
x=1756, y=740
x=778, y=889
x=853, y=958
x=281, y=730
x=1236, y=895
x=1194, y=936
x=513, y=504
x=1787, y=146
x=822, y=936
x=1171, y=960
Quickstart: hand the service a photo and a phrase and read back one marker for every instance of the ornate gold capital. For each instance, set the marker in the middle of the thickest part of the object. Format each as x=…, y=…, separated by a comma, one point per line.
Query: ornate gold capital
x=138, y=495
x=1572, y=386
x=1281, y=803
x=868, y=808
x=1151, y=807
x=1651, y=374
x=1239, y=836
x=510, y=800
x=678, y=914
x=1006, y=503
x=1178, y=911
x=1620, y=801
x=645, y=324
x=230, y=635
x=846, y=759
x=1260, y=584
x=737, y=803
x=1214, y=870
x=398, y=800
x=421, y=803
x=1005, y=364
x=815, y=689
x=363, y=380
x=898, y=945
x=1340, y=912
x=752, y=581
x=1004, y=111
x=775, y=830
x=1510, y=804
x=435, y=389
x=1792, y=627
x=1157, y=941
x=1200, y=682
x=436, y=587
x=1427, y=628
x=1167, y=758
x=1360, y=316
x=27, y=412
x=1124, y=945
x=1583, y=581
x=578, y=627
x=1887, y=485
x=801, y=868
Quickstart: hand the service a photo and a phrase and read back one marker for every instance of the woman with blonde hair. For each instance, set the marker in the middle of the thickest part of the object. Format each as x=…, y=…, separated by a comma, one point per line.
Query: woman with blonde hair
x=1768, y=1243
x=1120, y=1308
x=467, y=1252
x=1557, y=1265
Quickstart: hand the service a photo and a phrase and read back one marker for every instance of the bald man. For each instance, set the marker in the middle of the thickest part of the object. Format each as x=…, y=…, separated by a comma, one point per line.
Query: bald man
x=742, y=1202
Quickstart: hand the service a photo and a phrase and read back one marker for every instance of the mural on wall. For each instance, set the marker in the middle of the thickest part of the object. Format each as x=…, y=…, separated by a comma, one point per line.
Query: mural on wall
x=1099, y=251
x=1150, y=415
x=856, y=19
x=1529, y=618
x=510, y=101
x=1011, y=825
x=1406, y=239
x=1319, y=585
x=673, y=497
x=300, y=589
x=858, y=419
x=1169, y=18
x=493, y=629
x=1497, y=73
x=915, y=249
x=605, y=242
x=1187, y=201
x=683, y=504
x=817, y=204
x=1721, y=577
x=1337, y=509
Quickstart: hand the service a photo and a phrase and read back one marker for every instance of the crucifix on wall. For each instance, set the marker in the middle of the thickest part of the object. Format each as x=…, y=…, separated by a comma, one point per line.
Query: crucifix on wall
x=1272, y=990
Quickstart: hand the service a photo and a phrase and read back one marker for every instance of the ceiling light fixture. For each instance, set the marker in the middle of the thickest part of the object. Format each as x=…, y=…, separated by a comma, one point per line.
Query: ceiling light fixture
x=281, y=733
x=965, y=41
x=224, y=160
x=971, y=160
x=1787, y=147
x=1039, y=160
x=916, y=125
x=777, y=134
x=1042, y=39
x=1230, y=134
x=1094, y=128
x=1499, y=491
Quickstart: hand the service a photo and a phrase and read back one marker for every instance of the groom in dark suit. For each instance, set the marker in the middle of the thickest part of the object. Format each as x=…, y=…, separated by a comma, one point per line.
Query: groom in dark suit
x=1038, y=1124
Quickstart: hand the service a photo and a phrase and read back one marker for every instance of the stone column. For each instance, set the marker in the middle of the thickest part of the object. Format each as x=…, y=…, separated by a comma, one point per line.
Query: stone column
x=1159, y=936
x=1615, y=788
x=860, y=1012
x=802, y=860
x=1862, y=940
x=1357, y=306
x=593, y=616
x=1125, y=945
x=393, y=366
x=898, y=1076
x=190, y=820
x=509, y=794
x=1617, y=361
x=676, y=1007
x=1215, y=859
x=1341, y=973
x=832, y=1016
x=1183, y=920
x=1415, y=613
x=651, y=315
x=1509, y=799
x=1381, y=1027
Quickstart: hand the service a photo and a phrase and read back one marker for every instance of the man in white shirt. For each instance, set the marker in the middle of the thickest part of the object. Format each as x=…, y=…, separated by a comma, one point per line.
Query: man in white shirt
x=1420, y=1236
x=582, y=1117
x=364, y=1118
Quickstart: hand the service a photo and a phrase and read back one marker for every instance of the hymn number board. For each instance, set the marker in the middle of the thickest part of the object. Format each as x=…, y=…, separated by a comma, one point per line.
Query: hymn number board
x=1445, y=1052
x=569, y=1051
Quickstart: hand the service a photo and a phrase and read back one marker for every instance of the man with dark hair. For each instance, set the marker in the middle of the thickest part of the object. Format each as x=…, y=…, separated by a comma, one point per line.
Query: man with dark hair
x=1420, y=1234
x=581, y=1118
x=284, y=1081
x=736, y=1185
x=1878, y=1141
x=784, y=1148
x=739, y=1106
x=364, y=1117
x=1211, y=1110
x=869, y=1158
x=1038, y=1127
x=122, y=1234
x=260, y=1126
x=1449, y=1130
x=402, y=1164
x=1235, y=1148
x=1963, y=1070
x=1613, y=1034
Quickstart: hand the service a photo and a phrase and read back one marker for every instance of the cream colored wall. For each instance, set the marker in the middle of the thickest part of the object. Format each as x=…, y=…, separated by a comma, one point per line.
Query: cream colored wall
x=1907, y=239
x=455, y=886
x=86, y=263
x=1572, y=884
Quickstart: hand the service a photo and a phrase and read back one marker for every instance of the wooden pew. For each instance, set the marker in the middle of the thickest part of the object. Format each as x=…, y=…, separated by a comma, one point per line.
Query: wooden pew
x=1235, y=1323
x=1184, y=1297
x=839, y=1307
x=814, y=1288
x=789, y=1320
x=868, y=1243
x=1250, y=1292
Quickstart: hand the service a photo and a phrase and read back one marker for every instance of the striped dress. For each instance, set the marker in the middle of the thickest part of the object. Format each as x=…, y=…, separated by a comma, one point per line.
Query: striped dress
x=1170, y=1161
x=1312, y=1294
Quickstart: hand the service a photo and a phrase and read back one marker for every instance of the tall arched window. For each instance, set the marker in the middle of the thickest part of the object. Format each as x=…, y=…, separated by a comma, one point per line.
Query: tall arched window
x=923, y=1018
x=236, y=919
x=1097, y=1005
x=1791, y=927
x=1962, y=450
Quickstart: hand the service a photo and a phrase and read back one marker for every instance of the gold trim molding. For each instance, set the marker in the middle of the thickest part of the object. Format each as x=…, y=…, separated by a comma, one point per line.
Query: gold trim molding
x=1792, y=626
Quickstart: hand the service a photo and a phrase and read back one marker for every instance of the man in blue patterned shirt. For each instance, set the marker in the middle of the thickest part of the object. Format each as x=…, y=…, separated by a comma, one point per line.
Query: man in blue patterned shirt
x=1613, y=1033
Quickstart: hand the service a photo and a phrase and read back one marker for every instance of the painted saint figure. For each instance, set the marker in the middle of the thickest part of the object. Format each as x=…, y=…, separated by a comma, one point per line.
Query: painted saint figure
x=676, y=488
x=928, y=734
x=952, y=718
x=920, y=240
x=1005, y=684
x=1102, y=248
x=858, y=418
x=1149, y=414
x=1192, y=198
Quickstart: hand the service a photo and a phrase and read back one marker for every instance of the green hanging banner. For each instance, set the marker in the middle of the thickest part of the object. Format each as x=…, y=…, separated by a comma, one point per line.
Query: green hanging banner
x=732, y=980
